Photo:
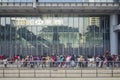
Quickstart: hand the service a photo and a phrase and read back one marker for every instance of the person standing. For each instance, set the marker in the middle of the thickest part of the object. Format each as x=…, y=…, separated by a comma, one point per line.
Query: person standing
x=5, y=61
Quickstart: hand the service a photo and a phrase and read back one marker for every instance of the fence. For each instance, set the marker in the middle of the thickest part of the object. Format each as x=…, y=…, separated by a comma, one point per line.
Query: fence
x=59, y=64
x=53, y=71
x=59, y=73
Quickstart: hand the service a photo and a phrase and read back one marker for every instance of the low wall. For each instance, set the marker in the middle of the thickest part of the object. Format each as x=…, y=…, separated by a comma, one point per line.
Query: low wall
x=60, y=73
x=59, y=78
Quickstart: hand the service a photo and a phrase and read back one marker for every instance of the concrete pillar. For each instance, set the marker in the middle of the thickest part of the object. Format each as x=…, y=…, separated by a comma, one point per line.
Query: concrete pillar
x=113, y=35
x=34, y=3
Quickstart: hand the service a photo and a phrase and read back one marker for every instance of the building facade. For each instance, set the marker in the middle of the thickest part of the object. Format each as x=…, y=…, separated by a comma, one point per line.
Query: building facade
x=46, y=27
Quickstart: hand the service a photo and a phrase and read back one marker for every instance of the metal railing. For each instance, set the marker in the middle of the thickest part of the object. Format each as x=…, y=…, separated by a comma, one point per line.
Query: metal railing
x=57, y=3
x=49, y=64
x=51, y=70
x=60, y=0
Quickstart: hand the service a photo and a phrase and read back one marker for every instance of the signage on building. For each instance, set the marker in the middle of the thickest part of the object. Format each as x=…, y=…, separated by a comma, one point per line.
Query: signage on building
x=22, y=22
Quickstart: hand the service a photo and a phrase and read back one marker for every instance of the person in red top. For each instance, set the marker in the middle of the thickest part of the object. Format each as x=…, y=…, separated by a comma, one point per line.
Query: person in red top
x=53, y=58
x=1, y=57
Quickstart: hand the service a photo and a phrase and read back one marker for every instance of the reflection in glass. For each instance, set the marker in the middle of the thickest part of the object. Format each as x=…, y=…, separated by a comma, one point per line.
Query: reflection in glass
x=49, y=34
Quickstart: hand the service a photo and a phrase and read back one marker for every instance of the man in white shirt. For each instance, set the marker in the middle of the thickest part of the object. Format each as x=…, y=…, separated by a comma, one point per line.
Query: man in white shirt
x=5, y=62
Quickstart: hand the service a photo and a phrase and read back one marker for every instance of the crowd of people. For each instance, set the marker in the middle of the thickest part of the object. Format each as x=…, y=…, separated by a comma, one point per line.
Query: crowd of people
x=66, y=61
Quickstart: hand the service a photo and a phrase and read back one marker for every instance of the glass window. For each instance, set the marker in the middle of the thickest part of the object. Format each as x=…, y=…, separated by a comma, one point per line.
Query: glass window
x=29, y=0
x=3, y=21
x=23, y=1
x=11, y=0
x=55, y=34
x=17, y=0
x=4, y=0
